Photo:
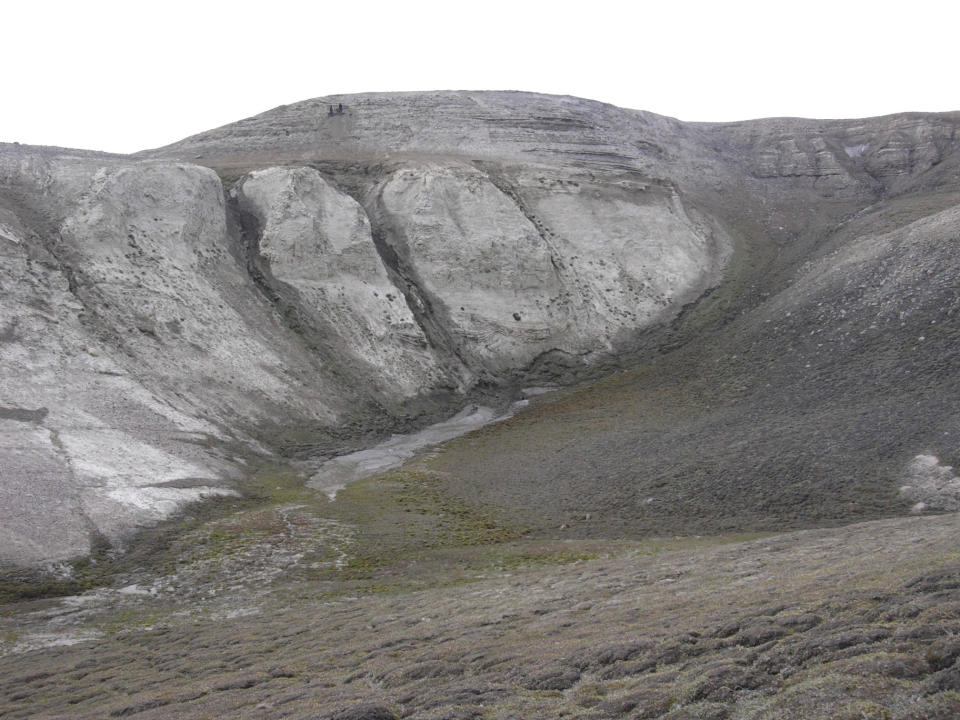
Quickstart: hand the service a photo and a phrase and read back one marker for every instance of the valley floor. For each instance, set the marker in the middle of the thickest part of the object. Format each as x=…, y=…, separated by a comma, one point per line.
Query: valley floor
x=854, y=622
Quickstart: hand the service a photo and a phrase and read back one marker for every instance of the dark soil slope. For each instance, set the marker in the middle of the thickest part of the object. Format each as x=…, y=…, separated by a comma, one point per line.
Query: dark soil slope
x=800, y=392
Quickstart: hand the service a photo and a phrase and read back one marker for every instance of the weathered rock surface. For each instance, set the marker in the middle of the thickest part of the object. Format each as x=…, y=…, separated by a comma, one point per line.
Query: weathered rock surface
x=369, y=270
x=87, y=448
x=630, y=252
x=318, y=242
x=136, y=351
x=932, y=486
x=554, y=263
x=477, y=262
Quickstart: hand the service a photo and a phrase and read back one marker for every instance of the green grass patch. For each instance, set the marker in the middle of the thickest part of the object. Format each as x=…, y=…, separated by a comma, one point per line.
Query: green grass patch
x=18, y=585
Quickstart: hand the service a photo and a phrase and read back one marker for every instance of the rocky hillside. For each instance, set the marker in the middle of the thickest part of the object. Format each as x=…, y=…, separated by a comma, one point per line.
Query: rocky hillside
x=305, y=281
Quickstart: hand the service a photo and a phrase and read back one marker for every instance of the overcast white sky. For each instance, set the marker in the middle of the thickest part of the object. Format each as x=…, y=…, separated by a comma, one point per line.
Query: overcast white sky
x=130, y=76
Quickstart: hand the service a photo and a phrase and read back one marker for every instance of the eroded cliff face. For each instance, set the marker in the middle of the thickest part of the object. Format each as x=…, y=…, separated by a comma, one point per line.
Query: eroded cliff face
x=299, y=282
x=316, y=242
x=89, y=447
x=514, y=265
x=848, y=151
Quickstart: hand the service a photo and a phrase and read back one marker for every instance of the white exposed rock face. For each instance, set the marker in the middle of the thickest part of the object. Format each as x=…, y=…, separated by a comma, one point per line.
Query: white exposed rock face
x=318, y=241
x=150, y=243
x=75, y=429
x=131, y=341
x=549, y=263
x=630, y=253
x=932, y=486
x=479, y=261
x=136, y=341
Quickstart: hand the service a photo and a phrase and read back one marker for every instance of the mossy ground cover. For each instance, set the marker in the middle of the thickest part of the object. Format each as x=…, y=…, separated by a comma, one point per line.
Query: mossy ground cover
x=399, y=530
x=805, y=625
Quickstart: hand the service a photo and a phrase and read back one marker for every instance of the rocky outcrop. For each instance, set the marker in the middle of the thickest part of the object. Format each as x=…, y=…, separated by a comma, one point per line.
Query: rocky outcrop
x=88, y=450
x=317, y=242
x=932, y=486
x=135, y=351
x=845, y=156
x=630, y=252
x=152, y=333
x=476, y=264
